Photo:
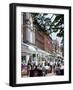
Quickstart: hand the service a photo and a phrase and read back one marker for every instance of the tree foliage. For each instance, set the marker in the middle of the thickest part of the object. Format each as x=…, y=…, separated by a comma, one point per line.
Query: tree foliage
x=54, y=23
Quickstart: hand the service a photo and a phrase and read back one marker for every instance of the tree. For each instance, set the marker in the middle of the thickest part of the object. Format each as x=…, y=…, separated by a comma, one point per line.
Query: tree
x=55, y=23
x=58, y=24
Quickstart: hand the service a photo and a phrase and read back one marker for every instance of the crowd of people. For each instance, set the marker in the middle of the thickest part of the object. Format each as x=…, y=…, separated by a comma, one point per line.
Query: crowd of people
x=42, y=67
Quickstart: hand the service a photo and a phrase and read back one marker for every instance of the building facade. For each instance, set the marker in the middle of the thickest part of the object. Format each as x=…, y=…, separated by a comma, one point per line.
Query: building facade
x=32, y=34
x=34, y=40
x=55, y=46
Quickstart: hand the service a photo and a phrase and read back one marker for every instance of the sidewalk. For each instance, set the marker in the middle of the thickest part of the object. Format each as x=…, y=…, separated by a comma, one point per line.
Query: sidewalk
x=51, y=74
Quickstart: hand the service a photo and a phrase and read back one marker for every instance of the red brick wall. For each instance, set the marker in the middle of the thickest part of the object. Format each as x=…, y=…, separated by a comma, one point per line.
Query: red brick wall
x=43, y=41
x=47, y=43
x=39, y=40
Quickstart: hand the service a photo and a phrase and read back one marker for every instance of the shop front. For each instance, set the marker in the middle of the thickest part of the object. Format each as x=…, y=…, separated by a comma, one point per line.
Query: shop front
x=33, y=57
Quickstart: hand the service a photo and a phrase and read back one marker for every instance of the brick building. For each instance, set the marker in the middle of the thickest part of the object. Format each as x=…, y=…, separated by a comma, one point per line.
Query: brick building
x=43, y=41
x=34, y=35
x=55, y=46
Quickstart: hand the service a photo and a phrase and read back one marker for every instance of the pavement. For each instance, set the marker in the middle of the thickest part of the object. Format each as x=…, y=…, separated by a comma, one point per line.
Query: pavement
x=51, y=74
